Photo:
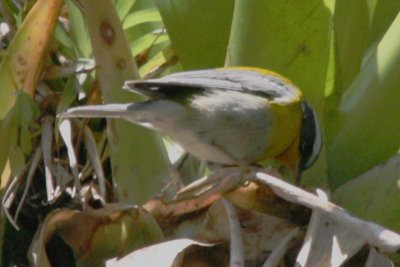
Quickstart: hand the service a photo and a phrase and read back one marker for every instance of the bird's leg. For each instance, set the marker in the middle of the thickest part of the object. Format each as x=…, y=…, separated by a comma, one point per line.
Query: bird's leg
x=220, y=181
x=179, y=176
x=245, y=169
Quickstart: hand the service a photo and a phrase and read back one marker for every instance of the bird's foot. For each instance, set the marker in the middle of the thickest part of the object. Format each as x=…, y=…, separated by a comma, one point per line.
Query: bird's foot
x=218, y=182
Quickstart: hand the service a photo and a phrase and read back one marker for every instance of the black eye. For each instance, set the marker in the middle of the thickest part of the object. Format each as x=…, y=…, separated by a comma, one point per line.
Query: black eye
x=310, y=138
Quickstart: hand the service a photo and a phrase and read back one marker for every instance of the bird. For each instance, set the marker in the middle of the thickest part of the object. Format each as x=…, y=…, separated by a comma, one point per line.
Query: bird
x=230, y=116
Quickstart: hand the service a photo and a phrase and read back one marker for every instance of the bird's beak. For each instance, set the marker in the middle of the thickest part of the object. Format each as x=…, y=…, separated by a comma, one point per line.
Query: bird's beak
x=97, y=111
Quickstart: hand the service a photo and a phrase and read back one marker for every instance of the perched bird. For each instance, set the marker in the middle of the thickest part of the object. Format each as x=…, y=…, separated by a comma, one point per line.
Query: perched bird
x=230, y=116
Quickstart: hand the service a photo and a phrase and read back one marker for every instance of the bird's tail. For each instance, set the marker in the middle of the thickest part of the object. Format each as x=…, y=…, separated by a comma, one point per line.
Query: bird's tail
x=98, y=111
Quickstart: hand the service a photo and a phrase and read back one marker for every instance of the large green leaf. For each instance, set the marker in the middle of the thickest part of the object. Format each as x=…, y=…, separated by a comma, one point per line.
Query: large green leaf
x=369, y=132
x=199, y=30
x=289, y=37
x=375, y=194
x=359, y=26
x=139, y=161
x=383, y=12
x=352, y=20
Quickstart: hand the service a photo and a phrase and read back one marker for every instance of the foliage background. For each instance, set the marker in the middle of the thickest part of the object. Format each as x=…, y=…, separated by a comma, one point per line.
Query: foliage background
x=344, y=55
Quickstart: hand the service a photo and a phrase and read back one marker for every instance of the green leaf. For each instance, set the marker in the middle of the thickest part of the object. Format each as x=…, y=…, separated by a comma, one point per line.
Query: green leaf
x=351, y=40
x=22, y=113
x=79, y=32
x=68, y=95
x=62, y=37
x=199, y=30
x=27, y=109
x=289, y=37
x=17, y=161
x=368, y=131
x=148, y=40
x=375, y=194
x=25, y=141
x=155, y=61
x=123, y=7
x=382, y=15
x=64, y=41
x=141, y=16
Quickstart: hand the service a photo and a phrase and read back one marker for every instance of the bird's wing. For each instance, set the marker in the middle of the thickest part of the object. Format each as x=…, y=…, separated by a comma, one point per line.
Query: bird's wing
x=244, y=80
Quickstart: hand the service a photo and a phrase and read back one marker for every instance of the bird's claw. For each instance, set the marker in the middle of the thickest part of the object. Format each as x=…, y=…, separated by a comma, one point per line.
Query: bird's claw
x=218, y=182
